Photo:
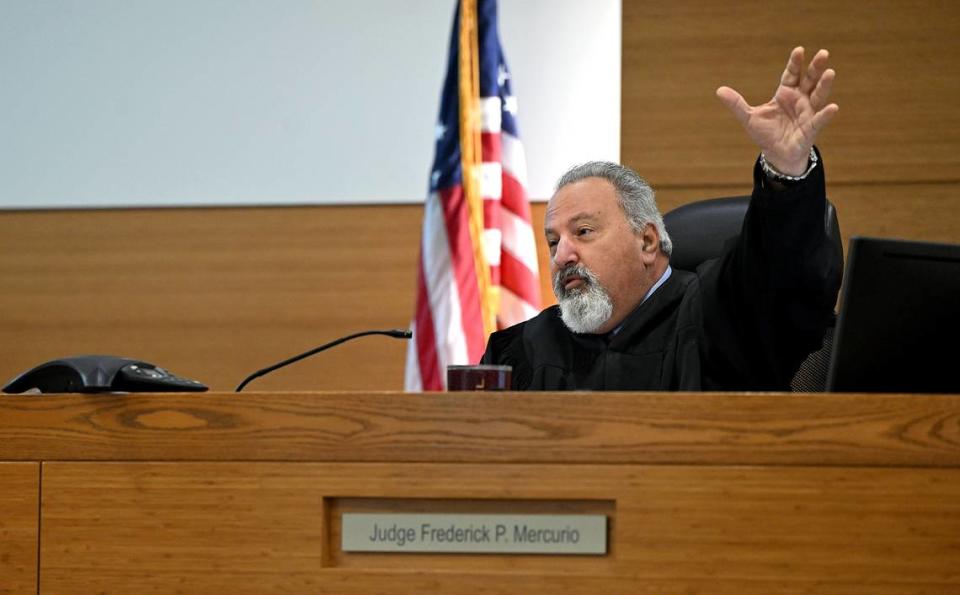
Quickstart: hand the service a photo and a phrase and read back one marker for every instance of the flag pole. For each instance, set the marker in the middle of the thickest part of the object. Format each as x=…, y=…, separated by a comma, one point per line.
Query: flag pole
x=471, y=153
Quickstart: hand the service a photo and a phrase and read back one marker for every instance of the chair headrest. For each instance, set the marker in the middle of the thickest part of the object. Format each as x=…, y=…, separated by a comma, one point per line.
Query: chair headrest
x=700, y=229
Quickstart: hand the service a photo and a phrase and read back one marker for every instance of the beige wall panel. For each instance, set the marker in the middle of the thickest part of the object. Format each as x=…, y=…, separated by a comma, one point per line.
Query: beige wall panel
x=898, y=72
x=929, y=212
x=19, y=524
x=264, y=527
x=212, y=294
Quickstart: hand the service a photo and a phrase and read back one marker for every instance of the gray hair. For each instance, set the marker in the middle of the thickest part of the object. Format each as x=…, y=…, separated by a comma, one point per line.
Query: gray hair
x=635, y=196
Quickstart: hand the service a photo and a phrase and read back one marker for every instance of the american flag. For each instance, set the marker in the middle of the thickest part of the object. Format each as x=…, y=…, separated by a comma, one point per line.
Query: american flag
x=474, y=275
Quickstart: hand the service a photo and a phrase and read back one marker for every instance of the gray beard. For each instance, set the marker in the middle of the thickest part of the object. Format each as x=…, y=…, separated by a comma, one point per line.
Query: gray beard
x=583, y=309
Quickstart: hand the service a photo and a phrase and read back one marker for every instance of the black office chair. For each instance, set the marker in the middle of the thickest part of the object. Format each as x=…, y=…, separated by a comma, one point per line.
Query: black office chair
x=699, y=231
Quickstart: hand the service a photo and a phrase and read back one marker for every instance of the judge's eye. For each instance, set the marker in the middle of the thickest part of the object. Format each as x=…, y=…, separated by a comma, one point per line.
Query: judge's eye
x=584, y=231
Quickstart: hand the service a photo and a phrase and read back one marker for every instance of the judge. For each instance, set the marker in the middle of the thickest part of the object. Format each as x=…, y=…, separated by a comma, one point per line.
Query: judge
x=626, y=320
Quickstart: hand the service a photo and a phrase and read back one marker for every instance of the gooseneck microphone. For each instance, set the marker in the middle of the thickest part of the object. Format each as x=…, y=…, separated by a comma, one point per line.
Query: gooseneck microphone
x=395, y=333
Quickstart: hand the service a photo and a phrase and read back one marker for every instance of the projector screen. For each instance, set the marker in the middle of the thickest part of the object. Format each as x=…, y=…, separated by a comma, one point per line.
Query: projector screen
x=220, y=102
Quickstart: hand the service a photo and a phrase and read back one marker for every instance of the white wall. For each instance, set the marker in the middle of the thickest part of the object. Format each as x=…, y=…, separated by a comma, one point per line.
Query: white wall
x=198, y=102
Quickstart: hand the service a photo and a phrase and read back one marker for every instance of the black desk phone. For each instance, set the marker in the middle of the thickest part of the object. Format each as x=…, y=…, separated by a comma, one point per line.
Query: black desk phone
x=100, y=373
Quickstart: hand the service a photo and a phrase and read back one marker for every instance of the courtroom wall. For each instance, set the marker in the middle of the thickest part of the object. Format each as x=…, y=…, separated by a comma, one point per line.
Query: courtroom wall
x=892, y=153
x=217, y=293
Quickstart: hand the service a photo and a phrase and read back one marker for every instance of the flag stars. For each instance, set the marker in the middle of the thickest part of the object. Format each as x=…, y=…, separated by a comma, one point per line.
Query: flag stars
x=434, y=178
x=439, y=130
x=502, y=75
x=510, y=104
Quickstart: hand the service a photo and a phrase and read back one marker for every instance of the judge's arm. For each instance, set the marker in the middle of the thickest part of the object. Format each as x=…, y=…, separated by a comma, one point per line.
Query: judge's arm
x=786, y=127
x=771, y=295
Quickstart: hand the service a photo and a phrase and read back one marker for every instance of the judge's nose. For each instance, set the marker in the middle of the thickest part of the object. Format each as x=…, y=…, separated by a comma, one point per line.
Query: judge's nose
x=566, y=254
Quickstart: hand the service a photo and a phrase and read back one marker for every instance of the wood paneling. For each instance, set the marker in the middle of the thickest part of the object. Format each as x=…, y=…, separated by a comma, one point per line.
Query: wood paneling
x=212, y=294
x=259, y=527
x=19, y=526
x=897, y=63
x=679, y=428
x=929, y=212
x=720, y=493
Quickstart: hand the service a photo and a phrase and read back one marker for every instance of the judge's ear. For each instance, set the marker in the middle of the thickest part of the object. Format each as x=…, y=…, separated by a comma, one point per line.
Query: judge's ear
x=649, y=241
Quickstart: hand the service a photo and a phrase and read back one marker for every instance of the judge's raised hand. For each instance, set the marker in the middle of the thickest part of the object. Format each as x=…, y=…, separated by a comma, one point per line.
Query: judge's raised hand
x=786, y=126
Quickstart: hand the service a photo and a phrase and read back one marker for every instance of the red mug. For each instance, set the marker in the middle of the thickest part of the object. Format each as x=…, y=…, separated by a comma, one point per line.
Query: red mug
x=481, y=377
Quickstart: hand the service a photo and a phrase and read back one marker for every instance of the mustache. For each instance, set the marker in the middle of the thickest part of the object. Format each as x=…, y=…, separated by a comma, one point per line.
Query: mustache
x=568, y=272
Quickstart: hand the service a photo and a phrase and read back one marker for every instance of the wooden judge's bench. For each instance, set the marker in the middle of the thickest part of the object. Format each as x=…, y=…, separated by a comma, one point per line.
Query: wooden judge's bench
x=702, y=493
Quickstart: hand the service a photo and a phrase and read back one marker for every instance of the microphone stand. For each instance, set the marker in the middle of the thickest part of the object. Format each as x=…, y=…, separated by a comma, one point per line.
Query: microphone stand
x=395, y=333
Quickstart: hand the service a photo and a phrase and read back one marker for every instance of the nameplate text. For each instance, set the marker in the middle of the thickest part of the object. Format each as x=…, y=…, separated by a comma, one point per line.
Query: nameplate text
x=475, y=533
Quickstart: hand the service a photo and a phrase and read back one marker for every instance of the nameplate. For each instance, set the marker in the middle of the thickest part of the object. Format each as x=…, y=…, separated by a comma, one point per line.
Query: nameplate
x=565, y=534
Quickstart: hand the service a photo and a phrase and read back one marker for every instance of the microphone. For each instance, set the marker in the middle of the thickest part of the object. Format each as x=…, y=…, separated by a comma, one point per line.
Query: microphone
x=395, y=333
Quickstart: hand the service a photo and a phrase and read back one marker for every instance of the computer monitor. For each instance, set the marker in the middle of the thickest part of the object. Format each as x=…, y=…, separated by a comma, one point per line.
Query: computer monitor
x=899, y=323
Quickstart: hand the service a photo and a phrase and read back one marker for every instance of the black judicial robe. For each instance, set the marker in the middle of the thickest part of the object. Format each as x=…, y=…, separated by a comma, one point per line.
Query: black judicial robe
x=743, y=321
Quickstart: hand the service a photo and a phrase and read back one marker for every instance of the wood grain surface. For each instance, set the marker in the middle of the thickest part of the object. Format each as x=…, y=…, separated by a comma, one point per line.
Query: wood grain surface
x=212, y=294
x=258, y=527
x=717, y=428
x=19, y=527
x=896, y=62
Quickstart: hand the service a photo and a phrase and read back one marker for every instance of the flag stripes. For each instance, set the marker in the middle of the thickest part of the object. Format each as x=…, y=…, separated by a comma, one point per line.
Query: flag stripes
x=448, y=322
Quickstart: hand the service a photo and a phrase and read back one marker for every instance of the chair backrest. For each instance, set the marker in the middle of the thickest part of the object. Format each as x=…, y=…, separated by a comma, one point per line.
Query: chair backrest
x=699, y=231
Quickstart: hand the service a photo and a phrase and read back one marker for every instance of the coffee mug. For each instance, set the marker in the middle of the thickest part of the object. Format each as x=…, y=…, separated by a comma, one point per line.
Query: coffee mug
x=480, y=377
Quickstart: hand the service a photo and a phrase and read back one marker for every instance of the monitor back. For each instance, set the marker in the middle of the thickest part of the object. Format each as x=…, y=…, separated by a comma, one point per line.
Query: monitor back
x=899, y=323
